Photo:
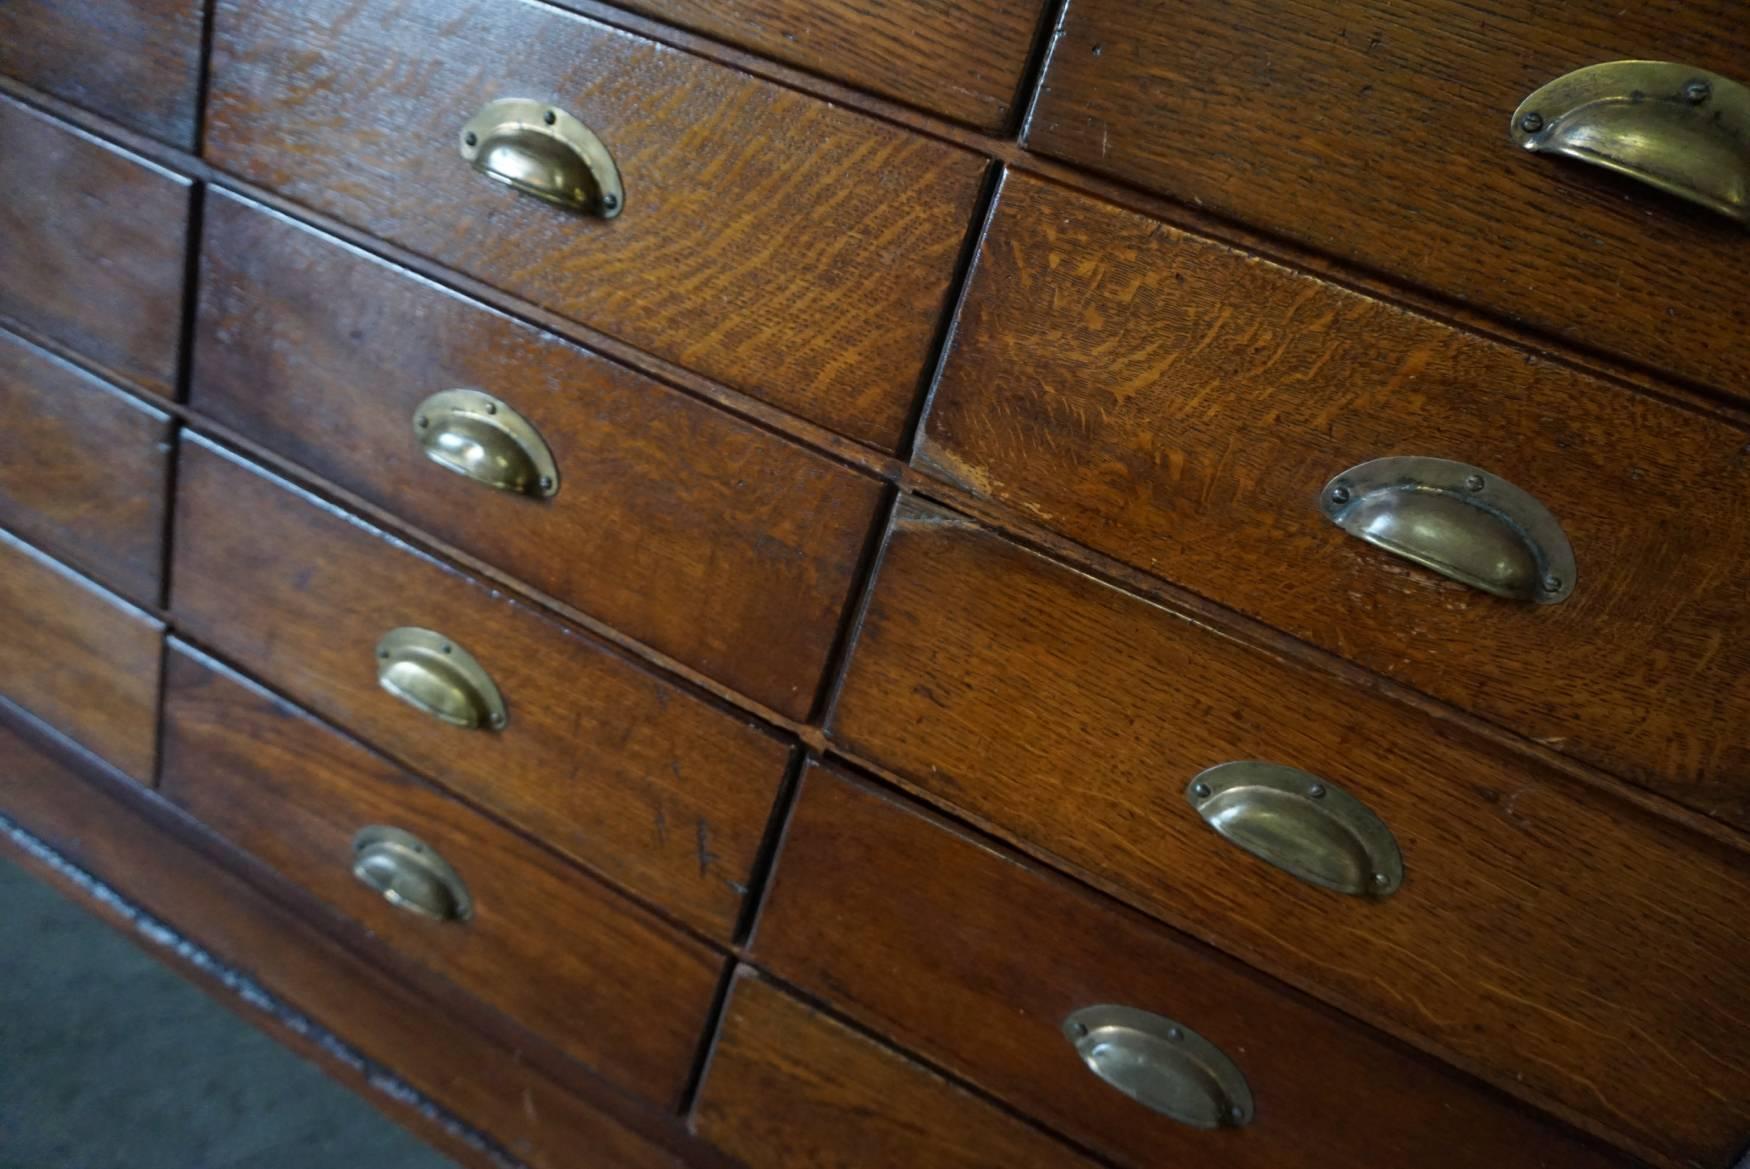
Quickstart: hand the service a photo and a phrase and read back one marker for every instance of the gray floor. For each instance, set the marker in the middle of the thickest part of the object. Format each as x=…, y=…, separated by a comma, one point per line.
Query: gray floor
x=108, y=1060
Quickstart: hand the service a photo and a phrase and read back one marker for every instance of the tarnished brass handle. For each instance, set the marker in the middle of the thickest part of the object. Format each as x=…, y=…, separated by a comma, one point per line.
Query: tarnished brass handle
x=474, y=434
x=433, y=674
x=1162, y=1065
x=1302, y=824
x=1458, y=520
x=408, y=874
x=545, y=152
x=1680, y=129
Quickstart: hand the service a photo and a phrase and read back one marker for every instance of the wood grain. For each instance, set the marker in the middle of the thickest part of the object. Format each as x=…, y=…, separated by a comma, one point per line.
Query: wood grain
x=84, y=470
x=79, y=658
x=91, y=248
x=790, y=1088
x=1378, y=132
x=1560, y=942
x=1180, y=406
x=710, y=539
x=135, y=61
x=618, y=768
x=794, y=250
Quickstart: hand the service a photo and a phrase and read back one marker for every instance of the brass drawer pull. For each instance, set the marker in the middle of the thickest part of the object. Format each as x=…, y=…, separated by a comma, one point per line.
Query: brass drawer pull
x=1458, y=520
x=408, y=874
x=474, y=434
x=433, y=674
x=545, y=152
x=1303, y=825
x=1162, y=1065
x=1682, y=130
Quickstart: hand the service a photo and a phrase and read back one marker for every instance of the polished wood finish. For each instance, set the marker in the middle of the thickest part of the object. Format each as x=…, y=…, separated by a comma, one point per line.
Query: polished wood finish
x=79, y=657
x=790, y=248
x=618, y=768
x=790, y=1088
x=83, y=469
x=1379, y=132
x=91, y=248
x=1550, y=935
x=716, y=542
x=558, y=953
x=135, y=61
x=1180, y=406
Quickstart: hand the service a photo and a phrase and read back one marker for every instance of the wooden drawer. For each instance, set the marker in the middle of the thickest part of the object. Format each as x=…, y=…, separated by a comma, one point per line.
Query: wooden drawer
x=134, y=61
x=790, y=1088
x=80, y=658
x=785, y=246
x=710, y=539
x=1181, y=406
x=91, y=248
x=618, y=768
x=977, y=960
x=1546, y=930
x=561, y=955
x=84, y=469
x=1380, y=132
x=963, y=61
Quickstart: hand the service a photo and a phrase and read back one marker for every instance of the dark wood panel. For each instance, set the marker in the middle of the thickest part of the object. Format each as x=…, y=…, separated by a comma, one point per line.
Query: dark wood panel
x=84, y=469
x=790, y=1087
x=79, y=658
x=1379, y=132
x=962, y=61
x=975, y=958
x=1555, y=938
x=618, y=768
x=91, y=248
x=787, y=247
x=134, y=61
x=710, y=539
x=559, y=954
x=1180, y=406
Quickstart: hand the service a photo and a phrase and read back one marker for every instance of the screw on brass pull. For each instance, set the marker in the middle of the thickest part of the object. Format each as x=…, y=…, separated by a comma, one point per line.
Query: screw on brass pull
x=431, y=673
x=1162, y=1065
x=545, y=152
x=476, y=435
x=409, y=874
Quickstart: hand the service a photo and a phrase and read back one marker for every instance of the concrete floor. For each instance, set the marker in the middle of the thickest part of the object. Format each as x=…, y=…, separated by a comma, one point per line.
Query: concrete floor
x=108, y=1060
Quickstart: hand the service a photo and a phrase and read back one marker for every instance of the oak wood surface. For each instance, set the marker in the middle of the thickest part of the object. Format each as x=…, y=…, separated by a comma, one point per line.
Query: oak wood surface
x=790, y=1088
x=91, y=248
x=618, y=768
x=710, y=539
x=1557, y=940
x=79, y=657
x=1379, y=132
x=137, y=61
x=787, y=247
x=1180, y=406
x=84, y=469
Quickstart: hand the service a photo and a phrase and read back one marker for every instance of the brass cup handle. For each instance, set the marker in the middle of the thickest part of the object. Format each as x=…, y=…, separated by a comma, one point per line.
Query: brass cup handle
x=1457, y=520
x=434, y=675
x=409, y=874
x=1162, y=1065
x=543, y=151
x=476, y=435
x=1679, y=129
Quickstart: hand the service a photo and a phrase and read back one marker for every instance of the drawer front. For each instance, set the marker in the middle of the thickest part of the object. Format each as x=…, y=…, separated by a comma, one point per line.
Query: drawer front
x=963, y=61
x=790, y=1088
x=80, y=658
x=978, y=960
x=1197, y=400
x=714, y=541
x=787, y=247
x=134, y=61
x=560, y=954
x=1380, y=132
x=84, y=469
x=91, y=248
x=616, y=767
x=1545, y=930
